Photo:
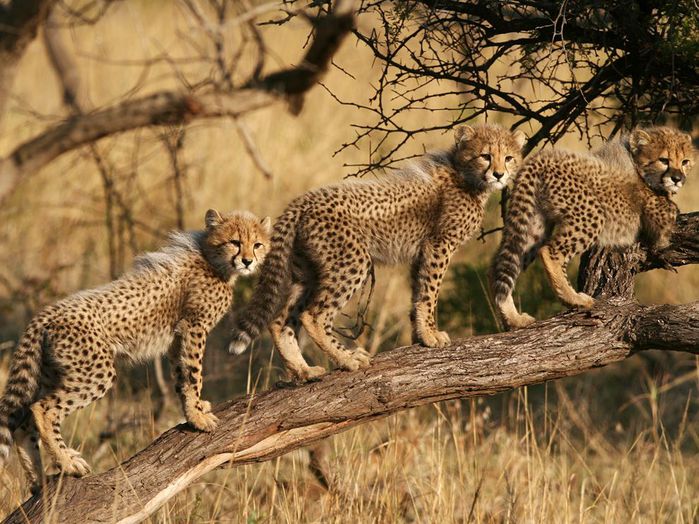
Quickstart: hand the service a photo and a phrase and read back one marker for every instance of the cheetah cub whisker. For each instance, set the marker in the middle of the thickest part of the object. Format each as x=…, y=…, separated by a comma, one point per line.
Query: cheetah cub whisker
x=169, y=301
x=326, y=242
x=562, y=203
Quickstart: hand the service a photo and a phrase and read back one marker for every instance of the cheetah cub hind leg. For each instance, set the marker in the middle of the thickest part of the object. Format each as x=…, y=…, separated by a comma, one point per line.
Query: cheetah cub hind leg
x=284, y=335
x=513, y=318
x=331, y=296
x=318, y=325
x=555, y=270
x=296, y=365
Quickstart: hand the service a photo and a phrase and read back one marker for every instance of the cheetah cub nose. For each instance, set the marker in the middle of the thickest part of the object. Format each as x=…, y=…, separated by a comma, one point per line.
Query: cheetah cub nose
x=497, y=175
x=247, y=262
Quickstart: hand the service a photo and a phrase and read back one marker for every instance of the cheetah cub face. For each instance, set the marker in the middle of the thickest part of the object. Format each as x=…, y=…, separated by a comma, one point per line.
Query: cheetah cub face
x=487, y=156
x=663, y=156
x=235, y=244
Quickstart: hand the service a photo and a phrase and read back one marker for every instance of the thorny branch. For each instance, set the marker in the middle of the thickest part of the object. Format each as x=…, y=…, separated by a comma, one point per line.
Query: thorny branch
x=546, y=67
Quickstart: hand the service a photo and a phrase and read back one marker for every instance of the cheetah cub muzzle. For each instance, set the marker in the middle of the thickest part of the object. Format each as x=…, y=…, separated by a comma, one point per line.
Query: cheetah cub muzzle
x=562, y=203
x=326, y=242
x=168, y=302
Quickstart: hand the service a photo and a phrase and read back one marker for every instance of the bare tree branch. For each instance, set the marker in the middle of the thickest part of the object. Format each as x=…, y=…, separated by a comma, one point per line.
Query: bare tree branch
x=684, y=246
x=553, y=67
x=63, y=64
x=252, y=149
x=169, y=108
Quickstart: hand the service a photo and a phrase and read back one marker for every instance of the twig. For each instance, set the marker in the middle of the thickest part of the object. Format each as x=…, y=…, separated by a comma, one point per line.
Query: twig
x=252, y=149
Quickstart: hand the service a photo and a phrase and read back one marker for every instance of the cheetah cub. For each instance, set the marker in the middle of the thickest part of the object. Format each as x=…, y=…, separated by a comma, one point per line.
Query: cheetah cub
x=562, y=203
x=326, y=242
x=169, y=301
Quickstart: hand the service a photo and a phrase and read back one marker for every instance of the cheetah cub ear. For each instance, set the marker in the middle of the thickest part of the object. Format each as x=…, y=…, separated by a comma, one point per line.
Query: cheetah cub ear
x=213, y=218
x=463, y=133
x=266, y=224
x=637, y=139
x=520, y=138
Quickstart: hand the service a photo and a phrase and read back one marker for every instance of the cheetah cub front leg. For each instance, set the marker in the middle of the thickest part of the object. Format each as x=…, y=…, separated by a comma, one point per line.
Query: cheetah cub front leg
x=186, y=358
x=427, y=275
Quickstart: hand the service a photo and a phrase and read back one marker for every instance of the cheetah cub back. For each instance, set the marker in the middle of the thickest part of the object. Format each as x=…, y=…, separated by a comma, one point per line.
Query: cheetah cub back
x=327, y=241
x=562, y=203
x=169, y=301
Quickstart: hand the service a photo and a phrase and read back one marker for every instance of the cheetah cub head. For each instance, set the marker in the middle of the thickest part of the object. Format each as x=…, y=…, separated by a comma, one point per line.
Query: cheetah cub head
x=235, y=243
x=487, y=155
x=663, y=156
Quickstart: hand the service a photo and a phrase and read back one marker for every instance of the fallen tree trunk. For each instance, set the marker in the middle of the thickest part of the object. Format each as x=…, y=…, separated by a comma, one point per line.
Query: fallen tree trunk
x=265, y=426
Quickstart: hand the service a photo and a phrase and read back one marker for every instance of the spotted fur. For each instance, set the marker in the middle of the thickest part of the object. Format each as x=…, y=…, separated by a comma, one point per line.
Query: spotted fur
x=169, y=301
x=562, y=203
x=326, y=242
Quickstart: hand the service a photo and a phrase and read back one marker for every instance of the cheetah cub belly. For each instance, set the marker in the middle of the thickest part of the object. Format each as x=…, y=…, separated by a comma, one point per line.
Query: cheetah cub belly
x=169, y=301
x=562, y=203
x=326, y=242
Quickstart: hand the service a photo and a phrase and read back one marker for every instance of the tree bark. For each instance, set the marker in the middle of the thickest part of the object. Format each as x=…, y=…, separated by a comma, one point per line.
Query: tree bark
x=264, y=426
x=611, y=273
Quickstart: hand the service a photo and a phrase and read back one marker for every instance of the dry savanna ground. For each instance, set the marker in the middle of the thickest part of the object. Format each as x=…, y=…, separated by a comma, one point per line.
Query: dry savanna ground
x=616, y=445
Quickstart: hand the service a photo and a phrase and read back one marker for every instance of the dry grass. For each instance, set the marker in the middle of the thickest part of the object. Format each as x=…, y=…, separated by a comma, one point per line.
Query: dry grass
x=618, y=445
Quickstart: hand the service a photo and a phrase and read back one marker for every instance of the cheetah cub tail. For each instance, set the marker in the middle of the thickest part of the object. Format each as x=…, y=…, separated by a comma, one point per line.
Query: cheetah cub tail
x=21, y=384
x=518, y=233
x=273, y=287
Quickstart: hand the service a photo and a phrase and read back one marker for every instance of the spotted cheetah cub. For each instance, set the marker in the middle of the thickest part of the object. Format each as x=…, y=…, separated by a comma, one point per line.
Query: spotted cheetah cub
x=326, y=242
x=169, y=301
x=562, y=203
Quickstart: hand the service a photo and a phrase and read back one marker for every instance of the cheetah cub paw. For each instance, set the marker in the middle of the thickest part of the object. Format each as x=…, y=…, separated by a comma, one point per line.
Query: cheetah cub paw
x=310, y=373
x=202, y=421
x=356, y=359
x=435, y=339
x=582, y=300
x=72, y=464
x=520, y=321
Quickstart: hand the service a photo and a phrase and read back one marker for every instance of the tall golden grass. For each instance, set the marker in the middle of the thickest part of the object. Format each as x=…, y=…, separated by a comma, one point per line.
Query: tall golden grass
x=618, y=445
